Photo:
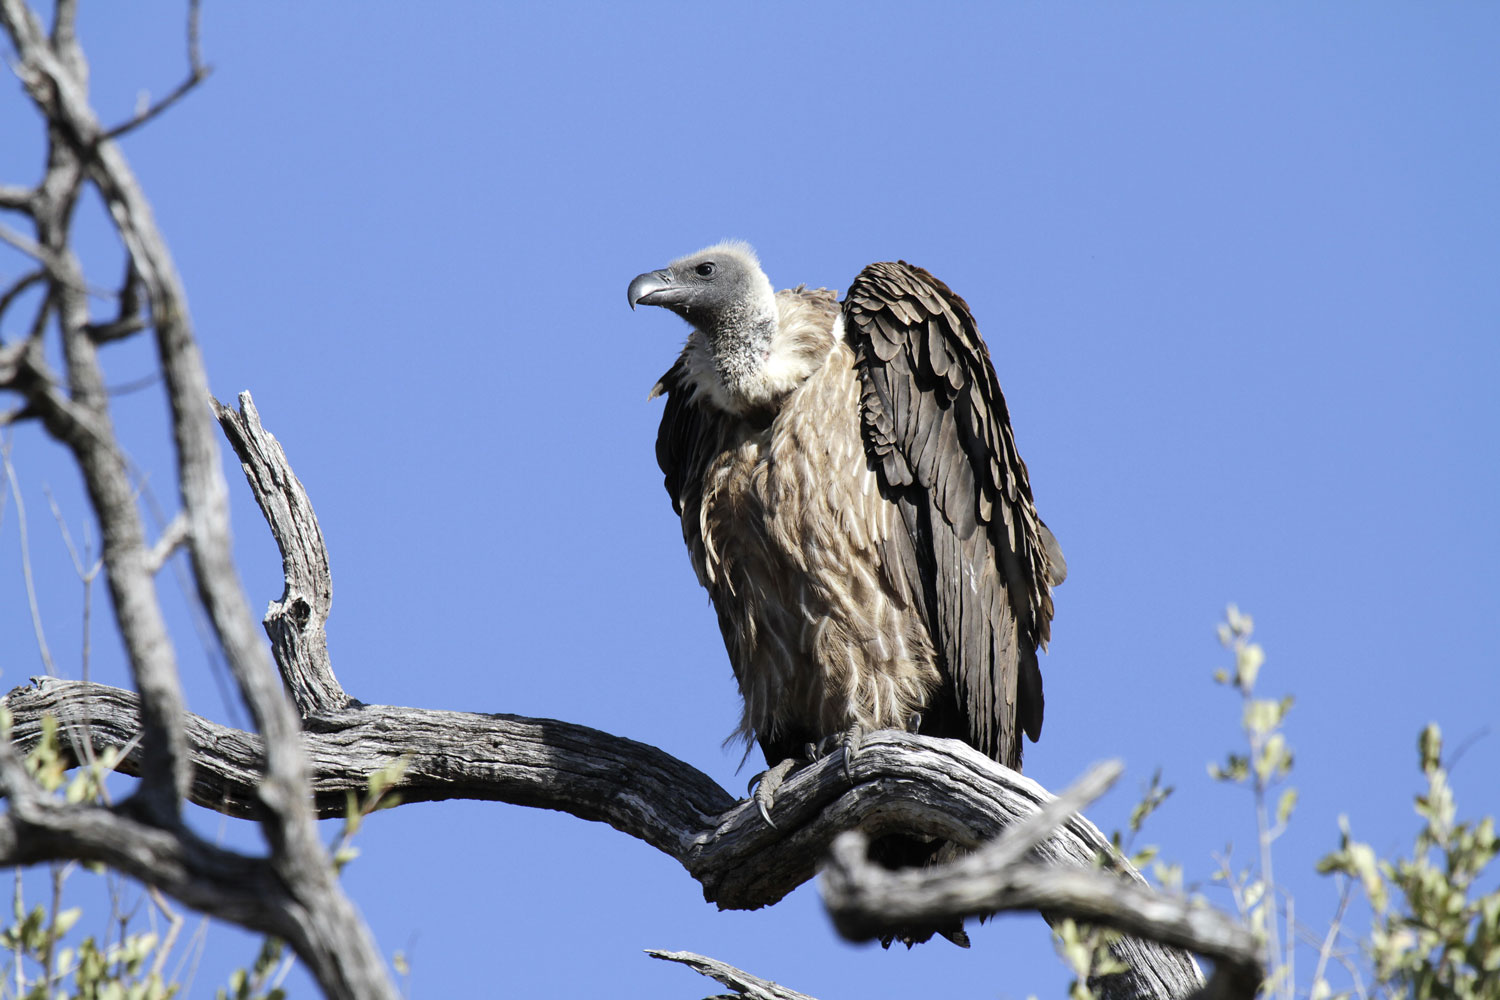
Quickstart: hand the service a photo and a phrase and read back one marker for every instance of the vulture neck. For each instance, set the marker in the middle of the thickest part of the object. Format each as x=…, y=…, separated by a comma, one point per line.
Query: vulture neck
x=740, y=341
x=740, y=354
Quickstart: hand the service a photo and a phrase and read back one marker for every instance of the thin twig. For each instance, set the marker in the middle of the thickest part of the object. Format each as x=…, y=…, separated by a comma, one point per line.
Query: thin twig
x=29, y=247
x=197, y=73
x=49, y=950
x=16, y=199
x=20, y=907
x=142, y=117
x=104, y=333
x=174, y=925
x=134, y=385
x=16, y=290
x=79, y=735
x=195, y=49
x=1325, y=950
x=64, y=19
x=743, y=983
x=36, y=613
x=62, y=527
x=173, y=537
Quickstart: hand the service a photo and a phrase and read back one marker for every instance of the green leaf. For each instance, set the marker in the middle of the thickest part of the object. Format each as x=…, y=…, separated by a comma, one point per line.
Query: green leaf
x=65, y=920
x=1430, y=745
x=1285, y=805
x=1247, y=663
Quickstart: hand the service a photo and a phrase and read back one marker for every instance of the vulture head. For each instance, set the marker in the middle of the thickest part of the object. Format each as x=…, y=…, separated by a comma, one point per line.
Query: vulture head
x=752, y=345
x=720, y=290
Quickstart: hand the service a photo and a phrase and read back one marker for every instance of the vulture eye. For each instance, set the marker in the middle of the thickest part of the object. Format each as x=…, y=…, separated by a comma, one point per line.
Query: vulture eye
x=707, y=269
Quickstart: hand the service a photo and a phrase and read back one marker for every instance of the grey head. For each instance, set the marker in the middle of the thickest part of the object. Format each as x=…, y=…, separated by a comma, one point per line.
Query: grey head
x=719, y=290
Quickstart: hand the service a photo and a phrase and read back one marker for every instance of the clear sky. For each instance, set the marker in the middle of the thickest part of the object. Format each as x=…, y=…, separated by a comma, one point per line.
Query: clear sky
x=1238, y=267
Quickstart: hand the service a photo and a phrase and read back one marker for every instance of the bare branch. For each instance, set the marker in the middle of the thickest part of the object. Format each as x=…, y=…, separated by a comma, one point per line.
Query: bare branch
x=634, y=787
x=296, y=622
x=15, y=199
x=36, y=612
x=104, y=333
x=23, y=369
x=15, y=291
x=901, y=782
x=173, y=536
x=30, y=248
x=866, y=899
x=196, y=76
x=64, y=21
x=17, y=415
x=336, y=943
x=743, y=984
x=197, y=73
x=81, y=420
x=217, y=882
x=860, y=902
x=128, y=319
x=195, y=48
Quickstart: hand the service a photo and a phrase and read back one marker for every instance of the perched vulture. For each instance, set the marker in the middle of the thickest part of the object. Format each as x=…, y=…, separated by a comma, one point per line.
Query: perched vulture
x=853, y=501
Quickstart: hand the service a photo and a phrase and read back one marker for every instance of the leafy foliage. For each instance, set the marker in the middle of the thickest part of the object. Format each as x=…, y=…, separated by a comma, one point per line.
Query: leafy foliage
x=121, y=966
x=1433, y=937
x=1434, y=934
x=120, y=963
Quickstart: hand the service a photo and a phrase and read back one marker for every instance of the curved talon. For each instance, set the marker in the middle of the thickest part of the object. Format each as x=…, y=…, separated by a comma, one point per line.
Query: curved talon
x=769, y=782
x=851, y=739
x=765, y=813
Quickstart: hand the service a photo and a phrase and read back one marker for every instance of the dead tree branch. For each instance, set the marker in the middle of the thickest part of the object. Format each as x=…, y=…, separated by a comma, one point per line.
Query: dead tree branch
x=310, y=910
x=866, y=899
x=296, y=622
x=901, y=782
x=743, y=984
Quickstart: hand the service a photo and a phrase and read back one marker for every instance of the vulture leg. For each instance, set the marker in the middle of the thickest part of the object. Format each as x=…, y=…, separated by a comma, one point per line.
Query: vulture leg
x=849, y=741
x=768, y=782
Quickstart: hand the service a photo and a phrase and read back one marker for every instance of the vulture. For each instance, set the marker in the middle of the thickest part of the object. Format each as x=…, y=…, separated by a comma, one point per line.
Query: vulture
x=853, y=501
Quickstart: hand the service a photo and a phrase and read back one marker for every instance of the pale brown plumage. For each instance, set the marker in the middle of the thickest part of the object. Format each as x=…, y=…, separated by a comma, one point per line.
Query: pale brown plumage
x=852, y=499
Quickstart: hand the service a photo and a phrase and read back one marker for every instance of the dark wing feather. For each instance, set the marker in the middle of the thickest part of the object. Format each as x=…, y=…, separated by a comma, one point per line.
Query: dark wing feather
x=938, y=436
x=676, y=439
x=690, y=435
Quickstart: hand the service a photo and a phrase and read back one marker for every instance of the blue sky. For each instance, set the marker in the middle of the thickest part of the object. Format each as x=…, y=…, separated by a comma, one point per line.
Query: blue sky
x=1237, y=267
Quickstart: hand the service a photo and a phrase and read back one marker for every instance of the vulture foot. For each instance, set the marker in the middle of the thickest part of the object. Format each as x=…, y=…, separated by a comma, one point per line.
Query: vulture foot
x=767, y=783
x=849, y=741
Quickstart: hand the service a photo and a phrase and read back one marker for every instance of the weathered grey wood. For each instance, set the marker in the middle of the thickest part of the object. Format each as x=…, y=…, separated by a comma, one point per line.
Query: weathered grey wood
x=145, y=835
x=743, y=983
x=901, y=782
x=296, y=622
x=866, y=899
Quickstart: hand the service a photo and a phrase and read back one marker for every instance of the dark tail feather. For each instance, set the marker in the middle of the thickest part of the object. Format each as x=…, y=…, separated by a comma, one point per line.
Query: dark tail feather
x=897, y=852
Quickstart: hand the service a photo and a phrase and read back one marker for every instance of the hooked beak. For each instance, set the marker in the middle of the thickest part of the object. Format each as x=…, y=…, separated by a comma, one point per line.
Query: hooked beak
x=655, y=288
